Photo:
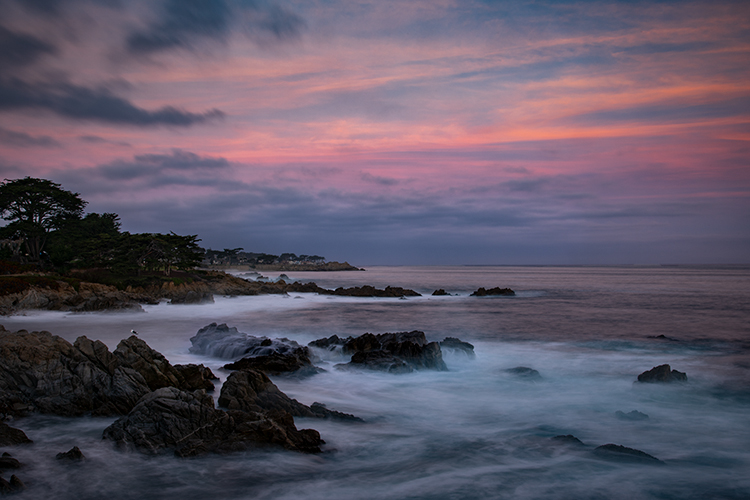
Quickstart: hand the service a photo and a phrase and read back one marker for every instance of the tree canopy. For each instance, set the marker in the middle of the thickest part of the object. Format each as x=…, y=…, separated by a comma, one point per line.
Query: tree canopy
x=34, y=207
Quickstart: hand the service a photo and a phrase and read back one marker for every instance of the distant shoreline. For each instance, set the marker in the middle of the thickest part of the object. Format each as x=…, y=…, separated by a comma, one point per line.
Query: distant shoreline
x=328, y=266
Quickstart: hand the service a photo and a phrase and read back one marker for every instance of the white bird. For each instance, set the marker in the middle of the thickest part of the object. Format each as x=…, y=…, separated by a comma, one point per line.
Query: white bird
x=133, y=332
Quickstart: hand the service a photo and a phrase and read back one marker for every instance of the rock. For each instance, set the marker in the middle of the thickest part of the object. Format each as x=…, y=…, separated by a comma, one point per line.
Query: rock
x=524, y=372
x=193, y=297
x=357, y=291
x=329, y=344
x=196, y=376
x=633, y=415
x=275, y=356
x=619, y=453
x=457, y=345
x=662, y=374
x=188, y=423
x=481, y=292
x=253, y=391
x=569, y=440
x=42, y=372
x=400, y=352
x=11, y=437
x=73, y=454
x=15, y=485
x=440, y=292
x=8, y=462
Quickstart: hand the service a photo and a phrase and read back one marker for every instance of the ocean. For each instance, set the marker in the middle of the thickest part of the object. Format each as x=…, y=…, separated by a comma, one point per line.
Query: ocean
x=476, y=430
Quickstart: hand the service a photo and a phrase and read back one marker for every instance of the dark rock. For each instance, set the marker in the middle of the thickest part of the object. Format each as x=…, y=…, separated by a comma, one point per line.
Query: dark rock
x=43, y=372
x=662, y=337
x=524, y=372
x=275, y=356
x=440, y=292
x=633, y=415
x=400, y=352
x=357, y=291
x=569, y=440
x=73, y=454
x=329, y=344
x=196, y=377
x=481, y=292
x=457, y=345
x=253, y=391
x=188, y=423
x=16, y=484
x=193, y=297
x=10, y=436
x=619, y=453
x=662, y=374
x=8, y=462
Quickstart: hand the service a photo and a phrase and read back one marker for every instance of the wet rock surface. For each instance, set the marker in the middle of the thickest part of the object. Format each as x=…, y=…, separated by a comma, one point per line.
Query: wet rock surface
x=10, y=436
x=74, y=454
x=43, y=372
x=188, y=424
x=525, y=373
x=273, y=356
x=619, y=453
x=457, y=345
x=662, y=374
x=252, y=390
x=400, y=352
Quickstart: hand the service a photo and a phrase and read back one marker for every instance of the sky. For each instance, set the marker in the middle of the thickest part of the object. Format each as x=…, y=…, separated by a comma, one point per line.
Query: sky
x=393, y=132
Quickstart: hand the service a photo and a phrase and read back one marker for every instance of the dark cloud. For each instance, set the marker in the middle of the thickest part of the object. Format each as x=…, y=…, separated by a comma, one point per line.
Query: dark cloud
x=24, y=140
x=183, y=23
x=20, y=49
x=83, y=103
x=95, y=139
x=376, y=179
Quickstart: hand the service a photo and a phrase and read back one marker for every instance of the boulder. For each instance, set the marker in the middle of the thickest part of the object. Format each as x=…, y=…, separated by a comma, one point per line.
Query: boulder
x=481, y=292
x=43, y=372
x=188, y=424
x=10, y=436
x=619, y=453
x=14, y=486
x=440, y=292
x=73, y=454
x=662, y=374
x=193, y=297
x=275, y=356
x=400, y=352
x=568, y=440
x=458, y=346
x=524, y=372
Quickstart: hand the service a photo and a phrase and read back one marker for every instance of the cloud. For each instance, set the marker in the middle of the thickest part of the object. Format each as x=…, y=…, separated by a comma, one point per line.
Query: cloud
x=95, y=139
x=183, y=23
x=375, y=179
x=83, y=103
x=24, y=140
x=20, y=49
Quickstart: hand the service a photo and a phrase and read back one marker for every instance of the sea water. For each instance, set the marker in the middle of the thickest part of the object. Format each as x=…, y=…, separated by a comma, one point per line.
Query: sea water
x=475, y=431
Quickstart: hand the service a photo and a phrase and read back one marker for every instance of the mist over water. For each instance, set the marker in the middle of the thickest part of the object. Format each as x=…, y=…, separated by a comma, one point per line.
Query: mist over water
x=475, y=431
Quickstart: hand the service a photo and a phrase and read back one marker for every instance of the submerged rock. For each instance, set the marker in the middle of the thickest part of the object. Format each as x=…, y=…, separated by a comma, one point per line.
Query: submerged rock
x=440, y=292
x=633, y=415
x=43, y=372
x=619, y=453
x=569, y=440
x=400, y=352
x=662, y=374
x=524, y=372
x=275, y=356
x=188, y=424
x=481, y=292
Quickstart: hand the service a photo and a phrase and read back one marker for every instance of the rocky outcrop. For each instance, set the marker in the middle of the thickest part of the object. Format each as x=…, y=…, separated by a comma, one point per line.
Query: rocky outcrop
x=60, y=296
x=356, y=291
x=327, y=266
x=193, y=297
x=400, y=352
x=619, y=453
x=481, y=292
x=439, y=292
x=10, y=436
x=272, y=356
x=253, y=391
x=188, y=424
x=43, y=372
x=74, y=454
x=662, y=374
x=457, y=346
